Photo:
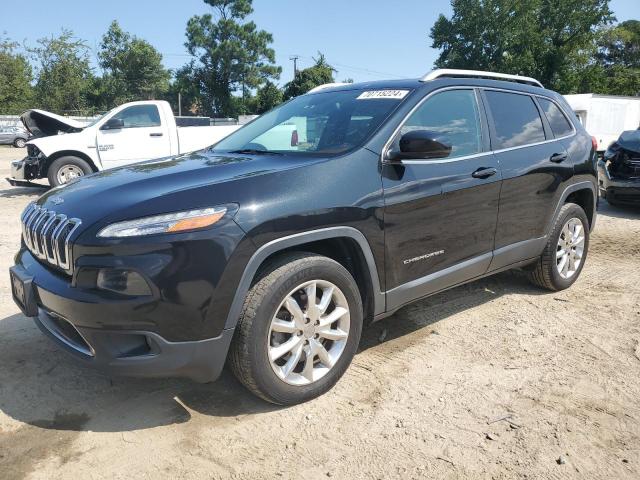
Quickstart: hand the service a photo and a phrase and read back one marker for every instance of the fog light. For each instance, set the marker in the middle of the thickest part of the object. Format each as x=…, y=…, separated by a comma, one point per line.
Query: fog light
x=124, y=282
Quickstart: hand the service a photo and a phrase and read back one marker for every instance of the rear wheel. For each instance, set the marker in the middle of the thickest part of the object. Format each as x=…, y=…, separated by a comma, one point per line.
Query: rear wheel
x=299, y=329
x=19, y=143
x=64, y=169
x=563, y=257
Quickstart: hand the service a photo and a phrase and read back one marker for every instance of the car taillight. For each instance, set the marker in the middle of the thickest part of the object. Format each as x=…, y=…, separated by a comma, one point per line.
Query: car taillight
x=294, y=138
x=594, y=144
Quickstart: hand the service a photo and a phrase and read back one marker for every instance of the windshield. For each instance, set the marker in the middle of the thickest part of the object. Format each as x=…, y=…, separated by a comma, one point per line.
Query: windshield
x=94, y=121
x=327, y=123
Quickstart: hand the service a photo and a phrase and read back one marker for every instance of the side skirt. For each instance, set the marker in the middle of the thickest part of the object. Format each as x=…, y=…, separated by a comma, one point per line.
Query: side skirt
x=505, y=258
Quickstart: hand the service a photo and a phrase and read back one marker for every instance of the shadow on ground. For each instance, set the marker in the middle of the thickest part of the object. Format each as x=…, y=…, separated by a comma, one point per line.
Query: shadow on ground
x=43, y=387
x=15, y=192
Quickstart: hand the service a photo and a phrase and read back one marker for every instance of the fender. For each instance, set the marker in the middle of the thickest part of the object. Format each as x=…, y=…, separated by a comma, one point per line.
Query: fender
x=283, y=243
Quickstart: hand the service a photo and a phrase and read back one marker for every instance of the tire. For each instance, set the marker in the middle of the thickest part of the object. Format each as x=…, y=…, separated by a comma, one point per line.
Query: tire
x=249, y=356
x=545, y=272
x=73, y=165
x=19, y=143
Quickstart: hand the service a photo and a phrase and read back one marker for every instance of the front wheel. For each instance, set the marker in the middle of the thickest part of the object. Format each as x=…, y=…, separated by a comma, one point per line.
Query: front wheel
x=65, y=169
x=566, y=251
x=19, y=143
x=299, y=329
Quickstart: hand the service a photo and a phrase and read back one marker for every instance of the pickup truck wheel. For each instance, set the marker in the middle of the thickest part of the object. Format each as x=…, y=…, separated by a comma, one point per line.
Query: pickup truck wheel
x=19, y=143
x=566, y=251
x=299, y=329
x=65, y=169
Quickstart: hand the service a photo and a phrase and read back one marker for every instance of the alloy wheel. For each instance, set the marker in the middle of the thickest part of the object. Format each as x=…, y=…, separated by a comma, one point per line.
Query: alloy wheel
x=309, y=332
x=570, y=248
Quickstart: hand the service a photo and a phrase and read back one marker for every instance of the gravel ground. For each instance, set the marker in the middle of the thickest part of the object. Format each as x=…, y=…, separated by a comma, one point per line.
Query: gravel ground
x=495, y=379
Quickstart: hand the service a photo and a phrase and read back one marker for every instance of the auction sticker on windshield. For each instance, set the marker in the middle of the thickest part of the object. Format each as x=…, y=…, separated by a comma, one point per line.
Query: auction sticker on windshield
x=391, y=94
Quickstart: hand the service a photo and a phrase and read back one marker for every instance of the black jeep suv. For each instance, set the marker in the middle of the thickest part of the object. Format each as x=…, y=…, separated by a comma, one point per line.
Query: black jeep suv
x=274, y=247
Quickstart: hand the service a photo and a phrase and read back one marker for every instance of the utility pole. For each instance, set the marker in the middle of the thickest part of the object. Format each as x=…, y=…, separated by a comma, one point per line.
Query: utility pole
x=179, y=104
x=295, y=64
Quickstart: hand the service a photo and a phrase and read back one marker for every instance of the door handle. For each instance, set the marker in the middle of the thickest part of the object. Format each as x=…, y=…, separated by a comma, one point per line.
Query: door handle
x=558, y=157
x=484, y=172
x=155, y=134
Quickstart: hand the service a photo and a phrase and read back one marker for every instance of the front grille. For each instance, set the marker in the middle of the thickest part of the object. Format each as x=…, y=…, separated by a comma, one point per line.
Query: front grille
x=47, y=235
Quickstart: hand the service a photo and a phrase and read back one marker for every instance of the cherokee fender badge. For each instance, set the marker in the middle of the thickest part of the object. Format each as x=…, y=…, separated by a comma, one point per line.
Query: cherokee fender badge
x=423, y=257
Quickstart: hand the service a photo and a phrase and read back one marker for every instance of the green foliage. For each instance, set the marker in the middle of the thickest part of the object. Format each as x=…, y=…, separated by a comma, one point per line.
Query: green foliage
x=545, y=39
x=230, y=55
x=15, y=79
x=318, y=74
x=618, y=60
x=63, y=72
x=185, y=85
x=269, y=96
x=133, y=68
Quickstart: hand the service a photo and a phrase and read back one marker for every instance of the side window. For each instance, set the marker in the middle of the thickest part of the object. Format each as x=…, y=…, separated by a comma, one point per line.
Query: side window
x=139, y=116
x=454, y=114
x=559, y=123
x=516, y=118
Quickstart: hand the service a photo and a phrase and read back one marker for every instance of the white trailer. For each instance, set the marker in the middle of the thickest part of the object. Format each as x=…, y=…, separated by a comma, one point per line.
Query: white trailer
x=605, y=117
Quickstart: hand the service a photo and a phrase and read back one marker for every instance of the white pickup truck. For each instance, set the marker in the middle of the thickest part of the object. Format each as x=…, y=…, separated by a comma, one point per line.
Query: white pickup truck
x=62, y=149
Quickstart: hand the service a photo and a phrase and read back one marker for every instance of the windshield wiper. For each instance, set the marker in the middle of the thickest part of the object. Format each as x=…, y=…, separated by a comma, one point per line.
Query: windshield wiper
x=253, y=151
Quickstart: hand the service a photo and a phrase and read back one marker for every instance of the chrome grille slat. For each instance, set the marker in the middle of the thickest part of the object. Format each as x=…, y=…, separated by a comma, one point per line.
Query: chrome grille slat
x=48, y=235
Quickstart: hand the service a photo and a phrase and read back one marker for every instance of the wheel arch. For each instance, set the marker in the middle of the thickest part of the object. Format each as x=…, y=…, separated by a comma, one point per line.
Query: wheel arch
x=584, y=194
x=585, y=199
x=67, y=153
x=346, y=245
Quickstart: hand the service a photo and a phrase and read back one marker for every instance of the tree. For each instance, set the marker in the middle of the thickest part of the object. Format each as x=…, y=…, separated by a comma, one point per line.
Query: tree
x=64, y=75
x=267, y=97
x=318, y=74
x=230, y=55
x=15, y=79
x=185, y=85
x=618, y=59
x=546, y=39
x=133, y=67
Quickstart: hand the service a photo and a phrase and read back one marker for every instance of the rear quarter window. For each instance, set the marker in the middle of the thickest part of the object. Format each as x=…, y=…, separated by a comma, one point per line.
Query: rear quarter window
x=516, y=120
x=558, y=122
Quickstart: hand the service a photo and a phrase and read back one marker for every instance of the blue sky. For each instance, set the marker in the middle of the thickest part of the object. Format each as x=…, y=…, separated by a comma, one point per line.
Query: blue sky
x=363, y=39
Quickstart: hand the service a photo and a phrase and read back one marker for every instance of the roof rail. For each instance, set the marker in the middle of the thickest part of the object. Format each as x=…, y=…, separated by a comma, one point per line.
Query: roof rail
x=326, y=85
x=452, y=72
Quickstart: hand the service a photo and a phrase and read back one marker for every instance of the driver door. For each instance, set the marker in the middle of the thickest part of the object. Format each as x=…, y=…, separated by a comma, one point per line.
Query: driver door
x=441, y=213
x=142, y=137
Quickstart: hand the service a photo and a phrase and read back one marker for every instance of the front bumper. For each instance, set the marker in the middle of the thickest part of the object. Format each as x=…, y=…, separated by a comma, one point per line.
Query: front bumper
x=150, y=336
x=617, y=190
x=22, y=171
x=137, y=353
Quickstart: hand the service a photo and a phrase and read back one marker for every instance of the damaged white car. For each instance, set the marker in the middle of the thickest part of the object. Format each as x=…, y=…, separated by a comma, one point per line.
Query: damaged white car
x=62, y=149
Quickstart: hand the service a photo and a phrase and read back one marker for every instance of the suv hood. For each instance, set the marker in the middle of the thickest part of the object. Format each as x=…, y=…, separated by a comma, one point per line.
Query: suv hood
x=630, y=140
x=43, y=124
x=195, y=180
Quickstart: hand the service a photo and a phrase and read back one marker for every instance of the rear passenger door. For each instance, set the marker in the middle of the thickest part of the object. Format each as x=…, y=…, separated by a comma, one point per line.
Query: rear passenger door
x=440, y=214
x=534, y=167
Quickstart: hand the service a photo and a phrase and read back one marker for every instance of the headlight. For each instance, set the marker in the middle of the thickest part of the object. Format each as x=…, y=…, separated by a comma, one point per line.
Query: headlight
x=167, y=223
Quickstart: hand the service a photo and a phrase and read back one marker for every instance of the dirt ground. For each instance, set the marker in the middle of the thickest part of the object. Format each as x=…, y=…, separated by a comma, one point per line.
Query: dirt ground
x=496, y=379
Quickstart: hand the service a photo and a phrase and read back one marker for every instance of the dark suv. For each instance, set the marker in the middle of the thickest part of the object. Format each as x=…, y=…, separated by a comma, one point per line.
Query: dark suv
x=274, y=247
